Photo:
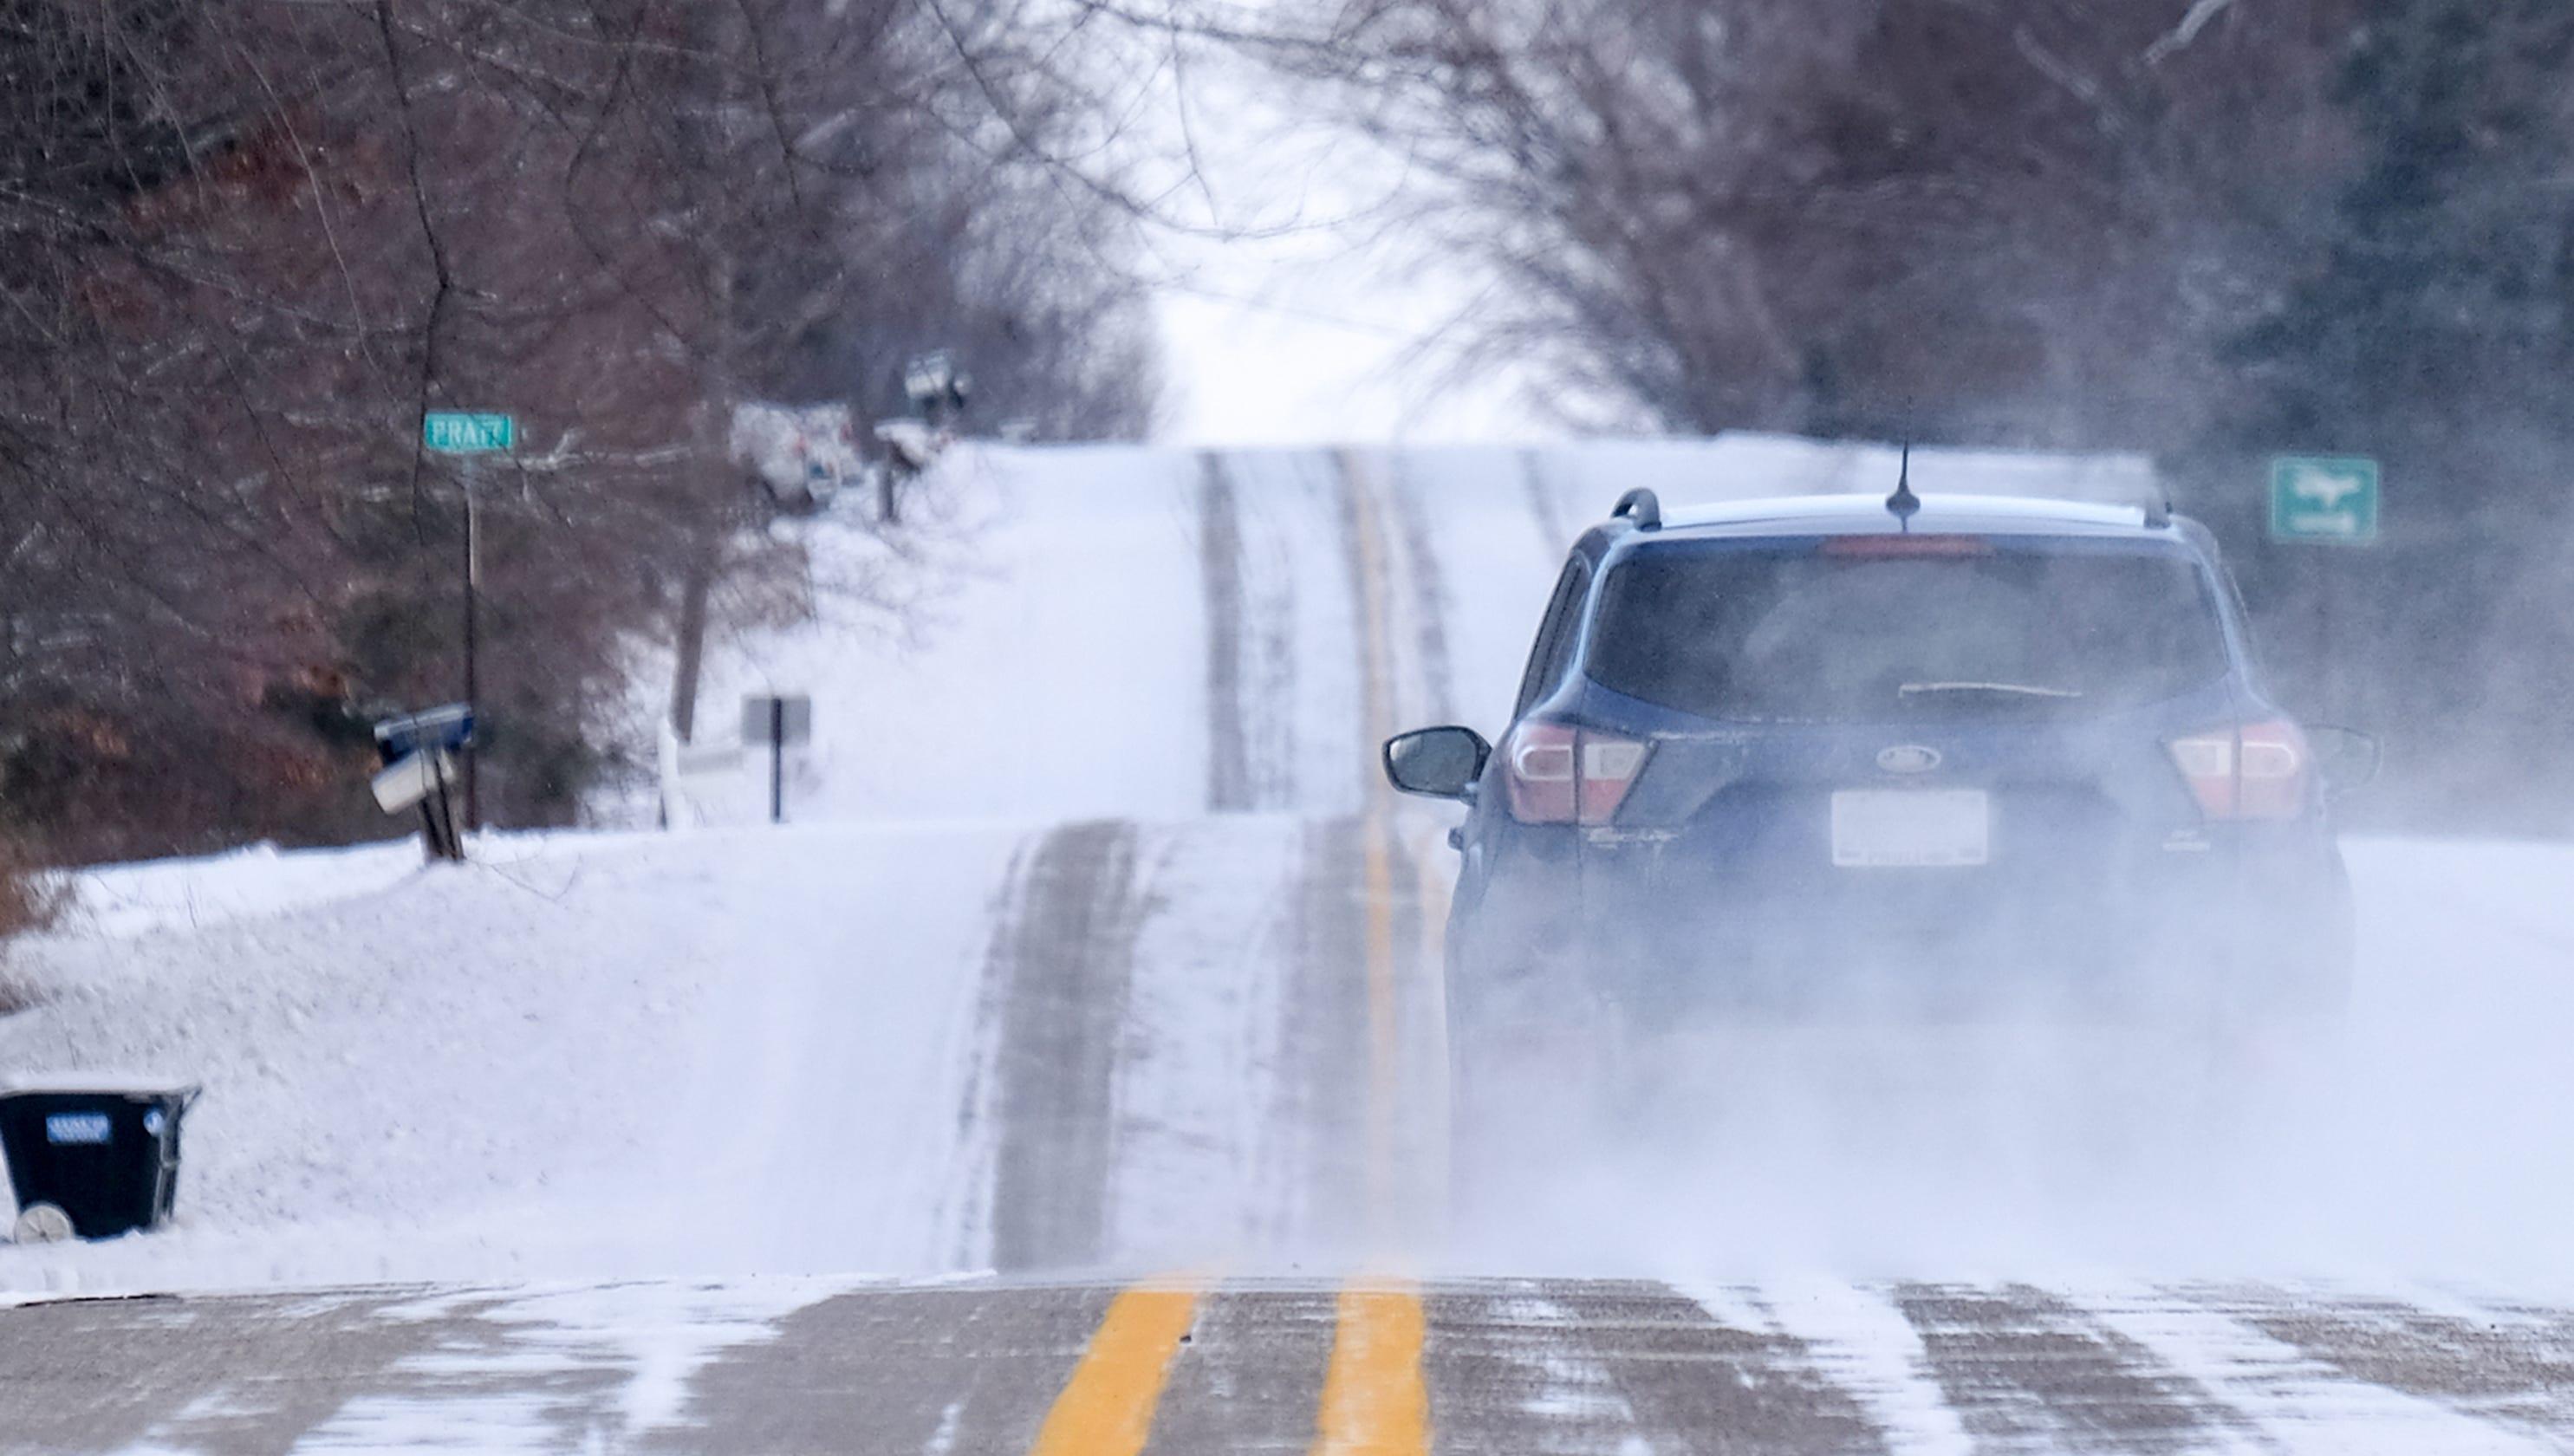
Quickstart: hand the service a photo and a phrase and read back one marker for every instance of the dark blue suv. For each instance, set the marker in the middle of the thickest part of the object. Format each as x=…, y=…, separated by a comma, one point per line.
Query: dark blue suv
x=1843, y=757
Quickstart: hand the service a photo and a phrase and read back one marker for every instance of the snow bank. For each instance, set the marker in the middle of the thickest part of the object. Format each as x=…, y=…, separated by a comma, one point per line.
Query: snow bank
x=260, y=880
x=580, y=1055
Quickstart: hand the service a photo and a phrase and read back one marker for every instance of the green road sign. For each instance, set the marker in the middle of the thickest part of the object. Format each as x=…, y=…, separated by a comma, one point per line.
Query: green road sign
x=452, y=432
x=2325, y=499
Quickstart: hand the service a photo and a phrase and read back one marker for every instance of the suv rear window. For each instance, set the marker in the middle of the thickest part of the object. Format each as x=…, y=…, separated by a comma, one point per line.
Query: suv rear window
x=1840, y=627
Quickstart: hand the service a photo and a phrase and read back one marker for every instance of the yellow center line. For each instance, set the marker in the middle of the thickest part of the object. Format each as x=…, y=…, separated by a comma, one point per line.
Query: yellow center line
x=1374, y=1402
x=1106, y=1408
x=1385, y=1047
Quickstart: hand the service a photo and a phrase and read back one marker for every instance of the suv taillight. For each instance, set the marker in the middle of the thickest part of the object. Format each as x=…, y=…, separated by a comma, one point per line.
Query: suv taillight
x=1540, y=763
x=2255, y=771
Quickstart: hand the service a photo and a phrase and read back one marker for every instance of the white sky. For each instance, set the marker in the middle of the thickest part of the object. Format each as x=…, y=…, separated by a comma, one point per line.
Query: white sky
x=1266, y=352
x=1302, y=329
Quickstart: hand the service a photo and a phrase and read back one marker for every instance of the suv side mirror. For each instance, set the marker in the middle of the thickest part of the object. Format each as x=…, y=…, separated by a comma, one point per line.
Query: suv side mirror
x=2346, y=758
x=1443, y=763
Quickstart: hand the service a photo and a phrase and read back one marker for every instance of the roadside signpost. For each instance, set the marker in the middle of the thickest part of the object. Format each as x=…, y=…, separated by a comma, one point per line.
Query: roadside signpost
x=2324, y=500
x=470, y=432
x=777, y=720
x=2329, y=500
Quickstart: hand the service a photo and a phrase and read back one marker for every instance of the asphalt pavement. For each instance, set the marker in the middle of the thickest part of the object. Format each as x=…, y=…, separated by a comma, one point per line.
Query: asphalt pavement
x=1515, y=1366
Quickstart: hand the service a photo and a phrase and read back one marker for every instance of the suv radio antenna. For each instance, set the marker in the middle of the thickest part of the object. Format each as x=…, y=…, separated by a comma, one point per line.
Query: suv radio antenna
x=1903, y=502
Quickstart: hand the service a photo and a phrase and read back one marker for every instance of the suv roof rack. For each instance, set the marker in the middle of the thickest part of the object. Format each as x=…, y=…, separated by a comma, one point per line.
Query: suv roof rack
x=1642, y=509
x=1641, y=505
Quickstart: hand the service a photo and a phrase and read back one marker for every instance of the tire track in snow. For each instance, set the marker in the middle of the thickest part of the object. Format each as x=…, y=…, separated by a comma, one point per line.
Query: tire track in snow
x=1280, y=683
x=1327, y=1099
x=1428, y=601
x=965, y=1201
x=1062, y=965
x=1373, y=646
x=1276, y=653
x=1326, y=1038
x=1206, y=1159
x=1220, y=575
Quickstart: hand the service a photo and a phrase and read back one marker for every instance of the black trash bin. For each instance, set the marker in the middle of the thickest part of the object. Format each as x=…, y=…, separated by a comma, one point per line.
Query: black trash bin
x=91, y=1159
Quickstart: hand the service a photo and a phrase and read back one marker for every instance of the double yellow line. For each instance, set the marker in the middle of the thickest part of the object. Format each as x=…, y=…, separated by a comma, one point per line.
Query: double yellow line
x=1375, y=1401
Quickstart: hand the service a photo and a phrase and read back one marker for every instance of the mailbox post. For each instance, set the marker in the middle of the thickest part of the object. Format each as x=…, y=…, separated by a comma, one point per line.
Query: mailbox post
x=415, y=749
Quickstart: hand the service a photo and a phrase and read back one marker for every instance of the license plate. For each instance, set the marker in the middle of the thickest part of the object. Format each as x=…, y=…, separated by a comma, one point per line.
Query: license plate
x=1910, y=827
x=77, y=1129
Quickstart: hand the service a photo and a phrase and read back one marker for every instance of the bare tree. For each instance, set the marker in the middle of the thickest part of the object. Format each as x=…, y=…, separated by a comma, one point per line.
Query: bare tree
x=2016, y=222
x=244, y=248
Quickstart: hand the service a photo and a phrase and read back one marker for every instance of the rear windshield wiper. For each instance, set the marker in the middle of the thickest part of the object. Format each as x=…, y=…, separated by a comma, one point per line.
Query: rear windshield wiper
x=1999, y=689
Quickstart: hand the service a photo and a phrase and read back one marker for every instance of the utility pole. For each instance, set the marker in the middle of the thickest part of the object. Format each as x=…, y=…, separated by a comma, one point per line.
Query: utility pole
x=473, y=696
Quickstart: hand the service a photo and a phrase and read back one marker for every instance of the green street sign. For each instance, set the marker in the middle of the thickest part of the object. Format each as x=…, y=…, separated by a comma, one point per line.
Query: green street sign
x=2324, y=499
x=449, y=432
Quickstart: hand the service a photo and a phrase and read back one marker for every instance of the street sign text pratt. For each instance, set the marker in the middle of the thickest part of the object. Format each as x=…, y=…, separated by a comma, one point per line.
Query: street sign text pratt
x=450, y=432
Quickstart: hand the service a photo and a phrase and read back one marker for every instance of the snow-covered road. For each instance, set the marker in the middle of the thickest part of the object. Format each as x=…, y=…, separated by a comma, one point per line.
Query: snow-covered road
x=1093, y=952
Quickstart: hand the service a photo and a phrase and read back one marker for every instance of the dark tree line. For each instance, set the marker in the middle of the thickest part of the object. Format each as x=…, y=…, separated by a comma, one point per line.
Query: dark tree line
x=2217, y=229
x=243, y=247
